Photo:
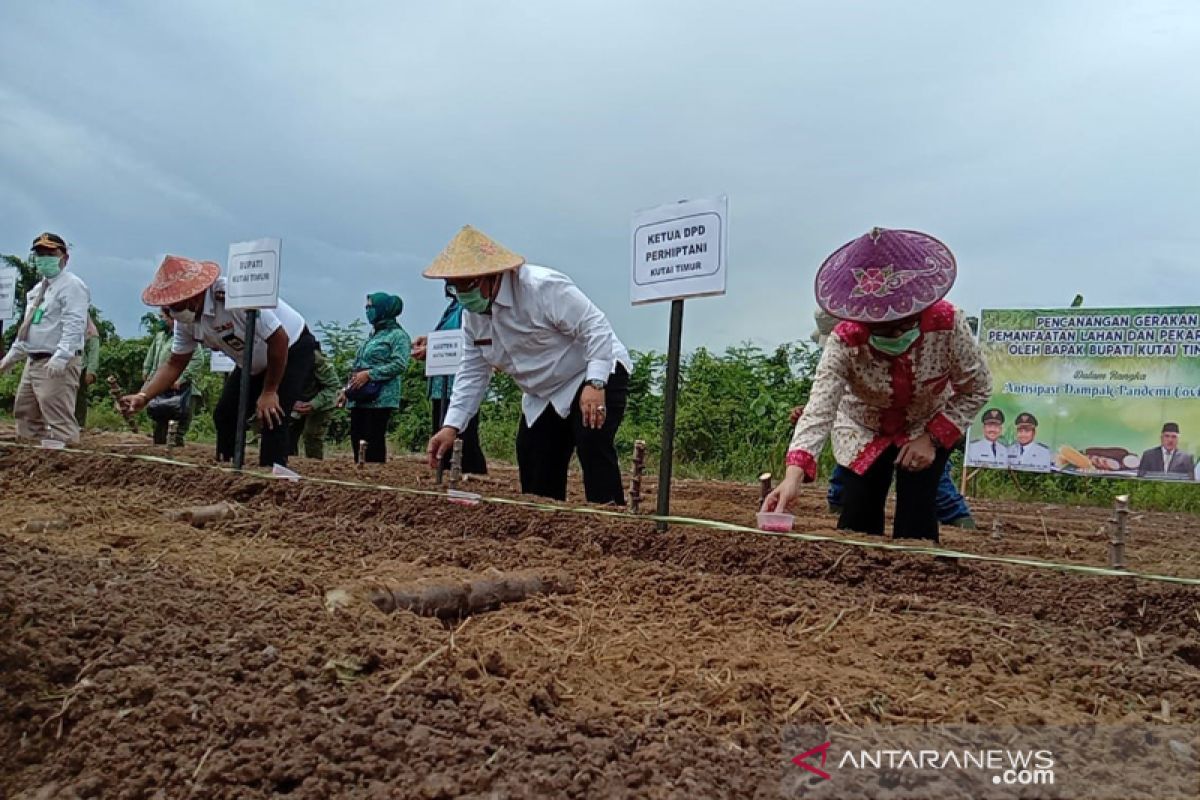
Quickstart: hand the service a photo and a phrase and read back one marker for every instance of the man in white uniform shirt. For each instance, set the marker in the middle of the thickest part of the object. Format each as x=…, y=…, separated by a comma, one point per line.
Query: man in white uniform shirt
x=51, y=337
x=533, y=324
x=989, y=451
x=193, y=293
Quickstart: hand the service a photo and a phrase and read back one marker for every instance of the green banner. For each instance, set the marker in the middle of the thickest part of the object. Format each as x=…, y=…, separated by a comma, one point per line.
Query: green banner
x=1105, y=392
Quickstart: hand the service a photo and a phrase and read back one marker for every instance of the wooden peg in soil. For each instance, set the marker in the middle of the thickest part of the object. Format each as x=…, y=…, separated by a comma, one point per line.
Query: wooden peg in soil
x=172, y=432
x=456, y=464
x=1117, y=532
x=997, y=530
x=362, y=453
x=114, y=389
x=764, y=487
x=635, y=485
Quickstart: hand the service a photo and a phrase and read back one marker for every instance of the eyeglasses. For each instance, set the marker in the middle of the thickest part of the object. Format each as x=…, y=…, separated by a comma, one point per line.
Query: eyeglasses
x=467, y=287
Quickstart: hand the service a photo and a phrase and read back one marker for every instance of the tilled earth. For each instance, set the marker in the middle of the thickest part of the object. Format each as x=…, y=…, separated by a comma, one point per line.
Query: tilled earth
x=144, y=657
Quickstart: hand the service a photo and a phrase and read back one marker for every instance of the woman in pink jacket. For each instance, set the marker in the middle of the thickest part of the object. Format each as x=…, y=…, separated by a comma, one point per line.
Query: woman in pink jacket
x=905, y=371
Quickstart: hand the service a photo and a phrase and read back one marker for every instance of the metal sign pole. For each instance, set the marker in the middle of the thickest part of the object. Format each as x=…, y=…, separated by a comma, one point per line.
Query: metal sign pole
x=670, y=390
x=239, y=448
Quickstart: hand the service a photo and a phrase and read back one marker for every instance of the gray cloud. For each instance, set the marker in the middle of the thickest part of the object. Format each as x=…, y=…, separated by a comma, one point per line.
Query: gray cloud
x=1052, y=145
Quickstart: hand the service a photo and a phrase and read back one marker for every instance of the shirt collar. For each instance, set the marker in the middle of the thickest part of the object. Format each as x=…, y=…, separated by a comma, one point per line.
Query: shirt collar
x=505, y=296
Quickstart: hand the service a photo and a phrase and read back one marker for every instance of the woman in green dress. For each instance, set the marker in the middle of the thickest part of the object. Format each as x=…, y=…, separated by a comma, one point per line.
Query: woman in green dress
x=374, y=390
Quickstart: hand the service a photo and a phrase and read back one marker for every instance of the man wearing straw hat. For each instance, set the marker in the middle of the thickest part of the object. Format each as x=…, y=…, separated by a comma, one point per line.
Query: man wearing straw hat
x=51, y=337
x=282, y=353
x=536, y=326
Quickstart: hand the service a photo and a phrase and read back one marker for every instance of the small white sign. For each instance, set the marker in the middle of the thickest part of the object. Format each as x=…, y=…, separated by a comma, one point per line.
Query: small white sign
x=252, y=276
x=680, y=250
x=221, y=362
x=8, y=293
x=444, y=353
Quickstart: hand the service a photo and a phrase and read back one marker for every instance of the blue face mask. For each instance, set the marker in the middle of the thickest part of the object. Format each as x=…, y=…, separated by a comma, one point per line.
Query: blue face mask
x=474, y=301
x=47, y=266
x=895, y=345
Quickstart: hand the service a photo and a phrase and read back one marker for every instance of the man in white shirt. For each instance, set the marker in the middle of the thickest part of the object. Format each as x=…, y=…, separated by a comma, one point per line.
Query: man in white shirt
x=989, y=451
x=1026, y=452
x=533, y=324
x=51, y=337
x=282, y=356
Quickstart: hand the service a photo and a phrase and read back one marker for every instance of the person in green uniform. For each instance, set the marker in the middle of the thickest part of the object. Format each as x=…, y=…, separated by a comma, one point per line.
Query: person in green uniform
x=91, y=367
x=311, y=413
x=374, y=389
x=156, y=356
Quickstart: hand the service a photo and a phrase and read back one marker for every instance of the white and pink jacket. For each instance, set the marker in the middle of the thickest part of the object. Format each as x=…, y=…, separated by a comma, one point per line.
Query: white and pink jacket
x=871, y=401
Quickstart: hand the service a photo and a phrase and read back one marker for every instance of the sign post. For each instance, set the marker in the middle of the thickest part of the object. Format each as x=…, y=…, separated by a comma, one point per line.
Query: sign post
x=9, y=278
x=252, y=283
x=443, y=354
x=680, y=250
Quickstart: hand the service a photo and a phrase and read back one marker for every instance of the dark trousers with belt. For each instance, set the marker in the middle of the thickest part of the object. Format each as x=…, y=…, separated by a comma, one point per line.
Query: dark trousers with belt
x=864, y=497
x=544, y=448
x=274, y=443
x=473, y=461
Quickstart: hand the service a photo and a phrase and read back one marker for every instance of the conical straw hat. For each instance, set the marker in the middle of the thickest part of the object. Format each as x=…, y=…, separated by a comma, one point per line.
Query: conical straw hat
x=472, y=254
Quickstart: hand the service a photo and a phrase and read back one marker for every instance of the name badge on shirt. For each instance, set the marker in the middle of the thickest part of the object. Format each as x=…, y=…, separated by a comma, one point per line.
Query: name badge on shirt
x=38, y=313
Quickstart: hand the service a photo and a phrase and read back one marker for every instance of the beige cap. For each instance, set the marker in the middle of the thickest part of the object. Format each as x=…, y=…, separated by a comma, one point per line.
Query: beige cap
x=472, y=254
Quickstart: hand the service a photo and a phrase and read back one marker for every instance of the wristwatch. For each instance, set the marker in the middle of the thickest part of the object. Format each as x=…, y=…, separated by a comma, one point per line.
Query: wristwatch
x=595, y=384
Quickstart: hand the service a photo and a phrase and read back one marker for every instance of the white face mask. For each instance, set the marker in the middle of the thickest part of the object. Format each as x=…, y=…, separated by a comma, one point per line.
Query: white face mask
x=186, y=316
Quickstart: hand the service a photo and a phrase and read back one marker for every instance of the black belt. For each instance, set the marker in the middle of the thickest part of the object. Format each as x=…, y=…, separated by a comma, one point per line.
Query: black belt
x=42, y=356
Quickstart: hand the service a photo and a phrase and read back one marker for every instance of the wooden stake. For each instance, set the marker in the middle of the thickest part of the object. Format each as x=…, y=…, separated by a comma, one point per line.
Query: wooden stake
x=114, y=389
x=635, y=485
x=456, y=464
x=1117, y=532
x=764, y=486
x=362, y=453
x=172, y=432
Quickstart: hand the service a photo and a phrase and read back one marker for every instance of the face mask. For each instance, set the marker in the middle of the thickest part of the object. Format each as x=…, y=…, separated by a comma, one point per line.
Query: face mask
x=372, y=315
x=895, y=346
x=47, y=266
x=186, y=316
x=474, y=301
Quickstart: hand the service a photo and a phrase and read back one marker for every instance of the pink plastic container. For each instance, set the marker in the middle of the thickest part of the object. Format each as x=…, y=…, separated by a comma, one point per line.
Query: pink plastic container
x=774, y=522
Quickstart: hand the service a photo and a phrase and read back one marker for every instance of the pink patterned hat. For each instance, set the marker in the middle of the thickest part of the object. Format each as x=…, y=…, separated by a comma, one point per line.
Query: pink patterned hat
x=885, y=275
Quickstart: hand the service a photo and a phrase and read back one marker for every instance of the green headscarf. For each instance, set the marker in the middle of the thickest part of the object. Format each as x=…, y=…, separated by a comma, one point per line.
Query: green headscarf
x=384, y=310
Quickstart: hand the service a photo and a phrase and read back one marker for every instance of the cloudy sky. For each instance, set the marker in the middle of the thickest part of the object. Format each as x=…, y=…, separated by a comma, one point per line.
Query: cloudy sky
x=1055, y=146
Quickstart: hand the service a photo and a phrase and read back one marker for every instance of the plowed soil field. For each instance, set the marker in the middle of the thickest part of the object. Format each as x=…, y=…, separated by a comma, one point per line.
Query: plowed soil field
x=141, y=656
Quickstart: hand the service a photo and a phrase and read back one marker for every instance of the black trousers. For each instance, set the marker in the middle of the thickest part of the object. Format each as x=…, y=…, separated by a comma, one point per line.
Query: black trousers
x=473, y=461
x=544, y=448
x=864, y=497
x=370, y=425
x=274, y=443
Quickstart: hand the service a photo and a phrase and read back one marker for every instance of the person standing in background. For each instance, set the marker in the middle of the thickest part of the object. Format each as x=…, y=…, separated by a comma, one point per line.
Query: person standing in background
x=91, y=367
x=51, y=336
x=156, y=356
x=375, y=385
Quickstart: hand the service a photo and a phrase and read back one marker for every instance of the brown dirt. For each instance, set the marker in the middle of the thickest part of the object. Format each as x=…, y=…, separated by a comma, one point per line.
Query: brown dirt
x=144, y=657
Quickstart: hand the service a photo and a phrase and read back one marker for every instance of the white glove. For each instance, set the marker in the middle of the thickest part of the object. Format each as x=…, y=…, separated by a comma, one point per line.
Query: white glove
x=57, y=365
x=10, y=358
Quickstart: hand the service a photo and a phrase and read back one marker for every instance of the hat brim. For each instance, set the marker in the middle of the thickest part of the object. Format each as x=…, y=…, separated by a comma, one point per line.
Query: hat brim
x=449, y=271
x=851, y=287
x=167, y=290
x=472, y=254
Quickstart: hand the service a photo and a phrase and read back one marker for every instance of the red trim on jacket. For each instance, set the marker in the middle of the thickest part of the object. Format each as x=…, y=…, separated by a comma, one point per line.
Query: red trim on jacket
x=943, y=431
x=805, y=461
x=854, y=334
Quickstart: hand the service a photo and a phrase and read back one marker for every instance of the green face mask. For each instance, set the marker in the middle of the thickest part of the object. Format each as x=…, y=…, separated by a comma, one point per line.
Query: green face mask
x=474, y=301
x=372, y=315
x=895, y=345
x=46, y=266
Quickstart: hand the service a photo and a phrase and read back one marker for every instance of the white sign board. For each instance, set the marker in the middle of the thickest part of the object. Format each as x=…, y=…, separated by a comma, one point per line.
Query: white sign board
x=8, y=293
x=221, y=362
x=444, y=353
x=252, y=276
x=680, y=250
